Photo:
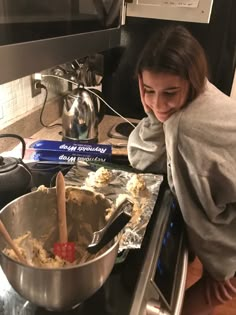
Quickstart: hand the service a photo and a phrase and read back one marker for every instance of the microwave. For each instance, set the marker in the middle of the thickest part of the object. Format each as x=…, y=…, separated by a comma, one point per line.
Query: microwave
x=37, y=35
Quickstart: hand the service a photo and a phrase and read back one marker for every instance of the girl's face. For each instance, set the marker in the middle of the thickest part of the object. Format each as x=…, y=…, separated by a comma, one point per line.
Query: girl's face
x=162, y=93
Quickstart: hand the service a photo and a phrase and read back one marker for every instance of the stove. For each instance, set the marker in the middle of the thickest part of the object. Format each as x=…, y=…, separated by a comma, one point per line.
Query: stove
x=147, y=281
x=121, y=130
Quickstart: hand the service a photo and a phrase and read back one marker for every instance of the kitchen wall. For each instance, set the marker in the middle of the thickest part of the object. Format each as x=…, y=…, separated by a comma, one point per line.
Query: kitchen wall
x=20, y=113
x=16, y=101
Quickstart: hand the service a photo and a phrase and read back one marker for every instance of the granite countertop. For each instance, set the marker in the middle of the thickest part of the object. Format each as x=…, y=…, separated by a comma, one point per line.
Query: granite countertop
x=119, y=146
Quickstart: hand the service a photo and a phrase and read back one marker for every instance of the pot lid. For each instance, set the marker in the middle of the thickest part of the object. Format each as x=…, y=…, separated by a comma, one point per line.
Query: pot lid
x=7, y=164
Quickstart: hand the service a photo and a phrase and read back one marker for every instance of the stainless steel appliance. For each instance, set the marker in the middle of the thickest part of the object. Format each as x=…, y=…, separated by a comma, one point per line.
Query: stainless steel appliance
x=37, y=35
x=82, y=112
x=161, y=286
x=143, y=280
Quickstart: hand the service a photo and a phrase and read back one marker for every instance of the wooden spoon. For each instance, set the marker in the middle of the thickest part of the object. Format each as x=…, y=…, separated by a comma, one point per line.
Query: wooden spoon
x=11, y=243
x=63, y=249
x=61, y=208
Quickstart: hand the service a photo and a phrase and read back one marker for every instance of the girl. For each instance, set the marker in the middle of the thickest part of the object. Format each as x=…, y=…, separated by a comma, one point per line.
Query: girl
x=190, y=133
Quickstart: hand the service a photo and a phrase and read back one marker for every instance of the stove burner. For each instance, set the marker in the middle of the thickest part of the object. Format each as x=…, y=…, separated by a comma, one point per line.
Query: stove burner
x=121, y=130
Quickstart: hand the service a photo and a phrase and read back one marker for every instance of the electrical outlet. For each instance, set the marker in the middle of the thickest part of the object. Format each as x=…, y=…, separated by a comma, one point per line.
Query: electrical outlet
x=34, y=89
x=1, y=111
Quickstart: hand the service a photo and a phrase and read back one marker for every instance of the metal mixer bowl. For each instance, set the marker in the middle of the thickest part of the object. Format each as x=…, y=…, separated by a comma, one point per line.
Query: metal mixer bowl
x=62, y=288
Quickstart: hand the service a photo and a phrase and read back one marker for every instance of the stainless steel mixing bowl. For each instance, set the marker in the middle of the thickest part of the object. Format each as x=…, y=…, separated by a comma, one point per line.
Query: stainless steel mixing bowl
x=63, y=288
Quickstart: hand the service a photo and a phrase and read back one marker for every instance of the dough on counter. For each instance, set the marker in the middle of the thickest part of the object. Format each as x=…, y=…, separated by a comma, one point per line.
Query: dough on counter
x=136, y=185
x=101, y=177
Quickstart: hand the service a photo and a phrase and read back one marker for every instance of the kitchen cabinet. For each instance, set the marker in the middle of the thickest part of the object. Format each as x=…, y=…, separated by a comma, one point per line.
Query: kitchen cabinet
x=178, y=10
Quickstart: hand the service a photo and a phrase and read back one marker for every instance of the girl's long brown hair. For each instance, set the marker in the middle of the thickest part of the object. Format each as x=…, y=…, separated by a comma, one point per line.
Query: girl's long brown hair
x=174, y=50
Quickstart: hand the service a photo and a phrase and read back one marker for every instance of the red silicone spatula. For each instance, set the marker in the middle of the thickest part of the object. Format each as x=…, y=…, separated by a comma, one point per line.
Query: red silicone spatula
x=63, y=249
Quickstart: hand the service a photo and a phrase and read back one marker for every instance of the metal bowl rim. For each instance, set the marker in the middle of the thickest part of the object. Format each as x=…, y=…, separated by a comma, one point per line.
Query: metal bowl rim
x=116, y=240
x=46, y=191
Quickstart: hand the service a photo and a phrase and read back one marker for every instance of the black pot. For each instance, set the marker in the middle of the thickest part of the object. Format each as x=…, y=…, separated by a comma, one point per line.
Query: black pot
x=15, y=176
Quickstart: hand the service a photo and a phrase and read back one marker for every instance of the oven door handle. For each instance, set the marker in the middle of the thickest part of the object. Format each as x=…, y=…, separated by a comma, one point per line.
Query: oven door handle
x=181, y=291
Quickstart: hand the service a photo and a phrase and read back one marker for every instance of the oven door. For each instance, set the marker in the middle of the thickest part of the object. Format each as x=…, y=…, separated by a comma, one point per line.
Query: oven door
x=51, y=32
x=161, y=286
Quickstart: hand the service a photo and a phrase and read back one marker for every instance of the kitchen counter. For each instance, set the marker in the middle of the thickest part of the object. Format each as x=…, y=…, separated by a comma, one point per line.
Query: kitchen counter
x=107, y=135
x=119, y=146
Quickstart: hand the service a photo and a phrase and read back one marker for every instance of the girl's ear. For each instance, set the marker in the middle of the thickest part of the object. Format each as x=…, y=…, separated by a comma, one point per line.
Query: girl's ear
x=142, y=93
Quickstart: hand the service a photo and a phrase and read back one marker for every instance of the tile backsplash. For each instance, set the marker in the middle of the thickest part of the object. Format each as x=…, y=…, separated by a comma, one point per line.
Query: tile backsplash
x=16, y=101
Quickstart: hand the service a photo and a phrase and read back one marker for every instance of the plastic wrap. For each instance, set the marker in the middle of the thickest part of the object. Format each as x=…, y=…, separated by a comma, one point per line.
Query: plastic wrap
x=117, y=186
